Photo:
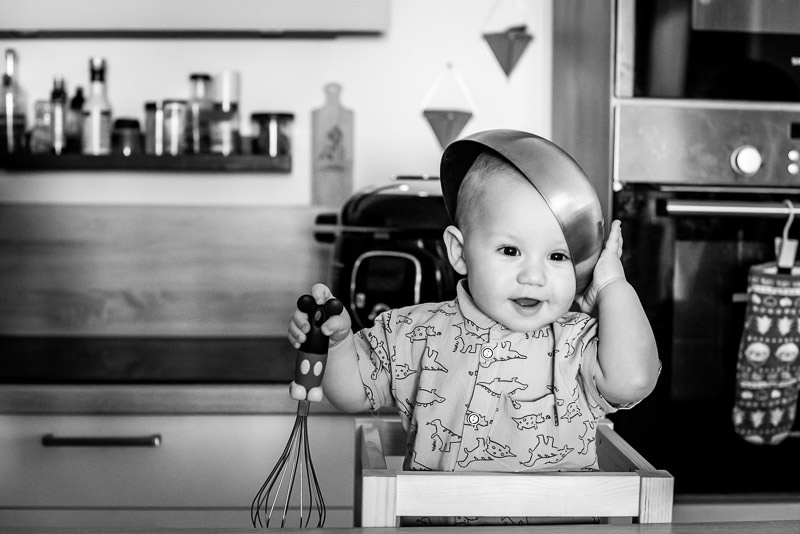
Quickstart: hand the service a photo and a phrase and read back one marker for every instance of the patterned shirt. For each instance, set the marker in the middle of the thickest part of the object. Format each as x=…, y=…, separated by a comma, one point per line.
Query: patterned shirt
x=473, y=395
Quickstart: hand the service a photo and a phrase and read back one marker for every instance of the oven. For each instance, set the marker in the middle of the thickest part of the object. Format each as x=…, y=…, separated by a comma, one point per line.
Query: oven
x=704, y=173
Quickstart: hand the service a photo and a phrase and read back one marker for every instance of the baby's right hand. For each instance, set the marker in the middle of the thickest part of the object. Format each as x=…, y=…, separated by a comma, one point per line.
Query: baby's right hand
x=336, y=328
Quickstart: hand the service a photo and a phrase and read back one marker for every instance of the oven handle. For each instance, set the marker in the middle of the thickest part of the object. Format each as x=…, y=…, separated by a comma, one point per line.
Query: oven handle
x=727, y=208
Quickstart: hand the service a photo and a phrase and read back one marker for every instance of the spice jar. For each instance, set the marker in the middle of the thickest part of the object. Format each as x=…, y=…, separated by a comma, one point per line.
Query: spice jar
x=153, y=128
x=175, y=112
x=272, y=133
x=41, y=135
x=199, y=105
x=126, y=139
x=224, y=126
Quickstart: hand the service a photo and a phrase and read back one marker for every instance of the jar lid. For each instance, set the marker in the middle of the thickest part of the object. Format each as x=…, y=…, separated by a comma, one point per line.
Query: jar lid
x=126, y=123
x=266, y=115
x=172, y=101
x=200, y=76
x=151, y=105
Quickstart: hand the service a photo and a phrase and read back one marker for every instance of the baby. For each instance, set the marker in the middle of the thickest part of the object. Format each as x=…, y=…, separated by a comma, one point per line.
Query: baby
x=544, y=337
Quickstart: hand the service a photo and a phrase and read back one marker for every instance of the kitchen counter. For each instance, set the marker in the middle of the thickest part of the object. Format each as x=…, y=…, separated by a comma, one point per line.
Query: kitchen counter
x=151, y=399
x=749, y=527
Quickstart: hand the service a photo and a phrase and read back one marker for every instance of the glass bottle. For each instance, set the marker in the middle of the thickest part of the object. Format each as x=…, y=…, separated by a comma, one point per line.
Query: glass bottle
x=97, y=111
x=12, y=108
x=74, y=124
x=58, y=100
x=200, y=104
x=41, y=134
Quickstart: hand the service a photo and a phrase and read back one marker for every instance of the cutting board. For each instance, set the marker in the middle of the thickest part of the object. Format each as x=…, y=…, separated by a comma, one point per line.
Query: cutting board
x=331, y=150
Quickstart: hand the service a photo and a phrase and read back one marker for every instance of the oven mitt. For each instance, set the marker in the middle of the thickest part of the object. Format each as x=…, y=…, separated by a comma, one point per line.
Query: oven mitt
x=767, y=367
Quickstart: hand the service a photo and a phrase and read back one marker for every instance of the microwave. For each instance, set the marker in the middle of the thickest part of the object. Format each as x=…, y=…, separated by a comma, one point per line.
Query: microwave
x=741, y=50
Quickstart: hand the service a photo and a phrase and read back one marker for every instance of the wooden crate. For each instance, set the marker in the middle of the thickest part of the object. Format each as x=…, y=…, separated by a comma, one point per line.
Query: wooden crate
x=627, y=485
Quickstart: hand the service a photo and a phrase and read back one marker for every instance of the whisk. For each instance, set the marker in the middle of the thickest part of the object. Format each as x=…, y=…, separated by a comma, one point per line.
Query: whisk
x=293, y=475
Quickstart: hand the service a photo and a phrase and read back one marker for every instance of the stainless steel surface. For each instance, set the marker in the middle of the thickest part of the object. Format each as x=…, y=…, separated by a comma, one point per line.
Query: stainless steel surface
x=731, y=208
x=562, y=183
x=624, y=47
x=677, y=141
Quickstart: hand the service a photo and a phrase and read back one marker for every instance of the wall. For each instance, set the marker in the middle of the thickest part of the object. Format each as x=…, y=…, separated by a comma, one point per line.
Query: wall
x=183, y=254
x=385, y=81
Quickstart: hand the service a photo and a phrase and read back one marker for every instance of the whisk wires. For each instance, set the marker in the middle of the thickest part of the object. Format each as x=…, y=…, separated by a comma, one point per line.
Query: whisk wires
x=294, y=468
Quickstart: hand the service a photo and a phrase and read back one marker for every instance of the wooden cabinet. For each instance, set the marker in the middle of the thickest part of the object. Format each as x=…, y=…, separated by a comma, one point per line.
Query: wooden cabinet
x=204, y=472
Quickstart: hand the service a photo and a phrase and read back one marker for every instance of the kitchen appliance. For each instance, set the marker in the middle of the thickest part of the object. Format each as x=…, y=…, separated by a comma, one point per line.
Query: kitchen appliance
x=706, y=150
x=692, y=136
x=388, y=248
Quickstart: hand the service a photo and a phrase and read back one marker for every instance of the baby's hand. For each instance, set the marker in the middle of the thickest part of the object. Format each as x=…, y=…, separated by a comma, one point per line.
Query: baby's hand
x=336, y=328
x=608, y=268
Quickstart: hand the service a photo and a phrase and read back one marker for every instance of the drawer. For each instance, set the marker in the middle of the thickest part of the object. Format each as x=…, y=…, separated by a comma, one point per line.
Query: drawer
x=202, y=461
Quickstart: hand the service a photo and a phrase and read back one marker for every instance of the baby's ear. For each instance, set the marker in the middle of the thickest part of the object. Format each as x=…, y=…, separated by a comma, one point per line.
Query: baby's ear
x=454, y=241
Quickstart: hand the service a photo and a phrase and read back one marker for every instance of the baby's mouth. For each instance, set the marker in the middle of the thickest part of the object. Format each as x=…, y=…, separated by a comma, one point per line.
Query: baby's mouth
x=526, y=302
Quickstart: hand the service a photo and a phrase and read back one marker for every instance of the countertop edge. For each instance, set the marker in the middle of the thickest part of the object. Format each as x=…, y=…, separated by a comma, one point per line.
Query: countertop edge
x=151, y=399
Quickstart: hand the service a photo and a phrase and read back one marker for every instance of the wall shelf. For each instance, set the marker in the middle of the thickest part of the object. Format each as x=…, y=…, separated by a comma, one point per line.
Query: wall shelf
x=146, y=162
x=298, y=19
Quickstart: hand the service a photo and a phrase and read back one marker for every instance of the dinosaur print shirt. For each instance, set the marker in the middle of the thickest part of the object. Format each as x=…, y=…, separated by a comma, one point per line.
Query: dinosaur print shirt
x=473, y=395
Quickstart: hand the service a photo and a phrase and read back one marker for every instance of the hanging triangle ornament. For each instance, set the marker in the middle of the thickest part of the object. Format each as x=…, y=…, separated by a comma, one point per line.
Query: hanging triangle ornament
x=448, y=107
x=446, y=124
x=507, y=34
x=508, y=46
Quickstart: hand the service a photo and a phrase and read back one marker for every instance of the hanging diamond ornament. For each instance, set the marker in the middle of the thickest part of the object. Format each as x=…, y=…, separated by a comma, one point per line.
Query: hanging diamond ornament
x=507, y=33
x=447, y=106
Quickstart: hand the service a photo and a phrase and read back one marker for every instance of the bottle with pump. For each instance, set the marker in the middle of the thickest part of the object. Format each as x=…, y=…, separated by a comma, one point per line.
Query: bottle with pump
x=97, y=112
x=58, y=99
x=13, y=108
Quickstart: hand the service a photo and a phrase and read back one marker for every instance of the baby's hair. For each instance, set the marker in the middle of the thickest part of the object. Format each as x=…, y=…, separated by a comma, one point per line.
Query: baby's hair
x=469, y=193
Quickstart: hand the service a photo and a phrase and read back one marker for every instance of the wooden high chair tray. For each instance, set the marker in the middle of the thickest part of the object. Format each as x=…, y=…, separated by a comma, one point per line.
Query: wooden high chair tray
x=627, y=485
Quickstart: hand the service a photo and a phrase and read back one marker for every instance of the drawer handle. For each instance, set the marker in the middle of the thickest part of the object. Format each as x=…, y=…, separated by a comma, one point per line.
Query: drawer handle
x=51, y=440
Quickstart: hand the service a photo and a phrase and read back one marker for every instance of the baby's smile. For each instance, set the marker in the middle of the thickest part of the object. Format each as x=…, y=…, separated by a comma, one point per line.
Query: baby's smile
x=526, y=302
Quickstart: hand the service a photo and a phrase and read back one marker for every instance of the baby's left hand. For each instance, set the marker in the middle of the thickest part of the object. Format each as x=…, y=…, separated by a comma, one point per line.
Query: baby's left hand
x=608, y=268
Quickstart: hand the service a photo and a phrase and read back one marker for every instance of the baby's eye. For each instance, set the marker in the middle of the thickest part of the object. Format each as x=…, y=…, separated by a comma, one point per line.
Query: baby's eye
x=509, y=251
x=558, y=256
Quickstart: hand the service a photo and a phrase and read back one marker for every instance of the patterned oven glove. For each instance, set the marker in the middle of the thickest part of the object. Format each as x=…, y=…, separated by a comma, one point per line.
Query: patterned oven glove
x=767, y=368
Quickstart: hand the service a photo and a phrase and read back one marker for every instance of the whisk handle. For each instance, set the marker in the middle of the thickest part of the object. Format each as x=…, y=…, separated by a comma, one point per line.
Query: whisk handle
x=313, y=354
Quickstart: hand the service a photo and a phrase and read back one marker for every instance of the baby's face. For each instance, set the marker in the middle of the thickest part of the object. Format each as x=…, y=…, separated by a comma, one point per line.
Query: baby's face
x=518, y=265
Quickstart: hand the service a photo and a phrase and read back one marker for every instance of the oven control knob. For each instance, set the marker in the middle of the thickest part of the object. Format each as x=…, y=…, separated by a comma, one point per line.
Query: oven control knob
x=746, y=160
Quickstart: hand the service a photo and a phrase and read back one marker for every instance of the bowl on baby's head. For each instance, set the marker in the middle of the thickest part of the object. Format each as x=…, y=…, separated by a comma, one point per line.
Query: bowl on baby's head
x=555, y=175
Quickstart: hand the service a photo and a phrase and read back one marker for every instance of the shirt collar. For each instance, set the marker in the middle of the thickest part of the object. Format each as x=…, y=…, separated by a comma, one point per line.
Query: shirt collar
x=471, y=311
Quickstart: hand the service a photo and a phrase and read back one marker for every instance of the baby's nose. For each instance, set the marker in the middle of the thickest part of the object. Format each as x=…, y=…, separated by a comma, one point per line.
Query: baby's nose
x=532, y=272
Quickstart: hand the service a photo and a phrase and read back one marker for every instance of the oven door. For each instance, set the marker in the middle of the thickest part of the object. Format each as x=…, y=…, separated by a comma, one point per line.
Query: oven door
x=688, y=252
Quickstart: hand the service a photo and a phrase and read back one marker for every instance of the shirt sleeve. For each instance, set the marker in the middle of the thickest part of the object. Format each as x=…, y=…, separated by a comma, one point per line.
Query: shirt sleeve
x=374, y=346
x=577, y=334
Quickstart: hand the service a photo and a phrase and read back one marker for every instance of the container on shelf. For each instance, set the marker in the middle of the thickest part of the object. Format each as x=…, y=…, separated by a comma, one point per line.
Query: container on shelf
x=97, y=112
x=272, y=133
x=200, y=105
x=58, y=99
x=41, y=135
x=175, y=113
x=224, y=126
x=126, y=138
x=153, y=128
x=13, y=103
